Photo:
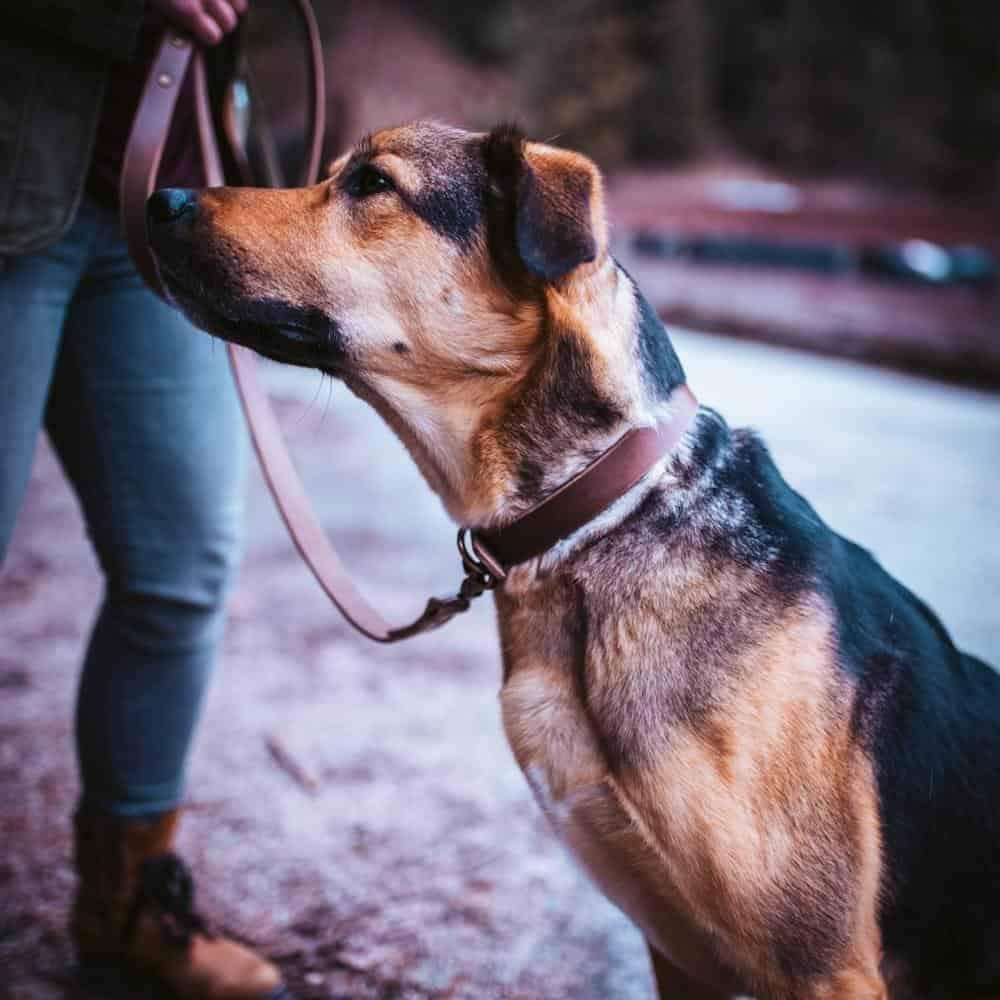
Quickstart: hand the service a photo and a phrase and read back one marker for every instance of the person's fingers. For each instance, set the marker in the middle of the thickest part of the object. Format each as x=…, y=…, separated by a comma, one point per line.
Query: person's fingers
x=204, y=28
x=208, y=20
x=222, y=12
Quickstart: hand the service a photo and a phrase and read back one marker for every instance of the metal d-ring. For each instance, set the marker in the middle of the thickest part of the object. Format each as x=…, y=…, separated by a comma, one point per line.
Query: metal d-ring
x=475, y=569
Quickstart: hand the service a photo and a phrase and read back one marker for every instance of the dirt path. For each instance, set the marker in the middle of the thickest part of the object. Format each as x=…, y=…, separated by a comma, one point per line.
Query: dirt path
x=419, y=866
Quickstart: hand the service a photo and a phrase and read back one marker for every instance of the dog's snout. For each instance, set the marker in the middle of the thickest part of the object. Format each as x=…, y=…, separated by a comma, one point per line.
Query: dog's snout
x=170, y=204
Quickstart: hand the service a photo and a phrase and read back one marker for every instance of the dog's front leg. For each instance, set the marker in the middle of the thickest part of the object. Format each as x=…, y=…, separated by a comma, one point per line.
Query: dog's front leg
x=673, y=984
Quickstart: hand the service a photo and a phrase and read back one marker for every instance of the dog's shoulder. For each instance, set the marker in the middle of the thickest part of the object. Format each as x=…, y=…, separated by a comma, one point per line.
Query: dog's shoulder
x=724, y=499
x=924, y=713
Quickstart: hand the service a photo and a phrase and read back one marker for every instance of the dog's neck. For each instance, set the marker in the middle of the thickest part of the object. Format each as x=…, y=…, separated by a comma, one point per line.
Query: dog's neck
x=605, y=365
x=601, y=364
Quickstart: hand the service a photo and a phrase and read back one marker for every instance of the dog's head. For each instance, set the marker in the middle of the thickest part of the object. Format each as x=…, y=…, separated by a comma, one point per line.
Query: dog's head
x=456, y=280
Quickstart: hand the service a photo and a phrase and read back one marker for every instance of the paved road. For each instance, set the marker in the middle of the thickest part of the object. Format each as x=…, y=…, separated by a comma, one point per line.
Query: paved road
x=419, y=867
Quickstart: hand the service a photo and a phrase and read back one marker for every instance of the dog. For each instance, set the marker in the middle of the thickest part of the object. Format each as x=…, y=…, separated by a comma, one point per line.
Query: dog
x=759, y=745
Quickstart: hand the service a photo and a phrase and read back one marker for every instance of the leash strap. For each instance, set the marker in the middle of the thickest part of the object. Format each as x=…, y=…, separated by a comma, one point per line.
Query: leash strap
x=145, y=148
x=486, y=557
x=176, y=56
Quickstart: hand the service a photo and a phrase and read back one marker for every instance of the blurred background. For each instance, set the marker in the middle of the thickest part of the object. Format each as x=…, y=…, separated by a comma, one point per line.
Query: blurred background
x=835, y=166
x=809, y=192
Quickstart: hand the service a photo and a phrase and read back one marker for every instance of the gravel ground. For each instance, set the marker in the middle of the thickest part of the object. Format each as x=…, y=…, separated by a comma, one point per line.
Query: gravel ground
x=411, y=861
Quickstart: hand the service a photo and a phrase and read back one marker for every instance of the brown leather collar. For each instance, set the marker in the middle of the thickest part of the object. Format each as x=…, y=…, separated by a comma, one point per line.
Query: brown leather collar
x=588, y=494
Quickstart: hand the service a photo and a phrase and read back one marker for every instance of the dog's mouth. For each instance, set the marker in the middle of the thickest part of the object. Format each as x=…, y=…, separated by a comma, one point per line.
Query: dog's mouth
x=289, y=334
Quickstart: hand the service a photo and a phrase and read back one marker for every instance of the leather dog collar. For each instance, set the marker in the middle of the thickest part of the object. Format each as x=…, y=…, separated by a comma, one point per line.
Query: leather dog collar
x=488, y=556
x=589, y=493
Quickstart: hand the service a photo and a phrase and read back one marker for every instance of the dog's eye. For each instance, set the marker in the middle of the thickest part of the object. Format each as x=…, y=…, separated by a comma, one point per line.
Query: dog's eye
x=369, y=181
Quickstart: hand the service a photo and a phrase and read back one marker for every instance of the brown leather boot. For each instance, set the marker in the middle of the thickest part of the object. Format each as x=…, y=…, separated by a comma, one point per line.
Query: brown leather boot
x=134, y=909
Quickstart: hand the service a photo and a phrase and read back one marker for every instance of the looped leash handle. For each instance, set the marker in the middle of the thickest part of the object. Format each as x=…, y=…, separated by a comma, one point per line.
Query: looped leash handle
x=176, y=56
x=151, y=126
x=144, y=150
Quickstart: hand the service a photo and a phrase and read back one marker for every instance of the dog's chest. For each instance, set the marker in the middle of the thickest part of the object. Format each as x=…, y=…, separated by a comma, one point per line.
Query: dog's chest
x=702, y=829
x=555, y=746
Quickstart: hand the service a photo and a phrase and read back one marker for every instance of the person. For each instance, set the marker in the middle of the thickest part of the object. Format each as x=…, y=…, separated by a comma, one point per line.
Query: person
x=142, y=412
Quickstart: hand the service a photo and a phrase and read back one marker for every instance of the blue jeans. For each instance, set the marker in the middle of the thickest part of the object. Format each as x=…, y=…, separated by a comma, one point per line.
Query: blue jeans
x=143, y=413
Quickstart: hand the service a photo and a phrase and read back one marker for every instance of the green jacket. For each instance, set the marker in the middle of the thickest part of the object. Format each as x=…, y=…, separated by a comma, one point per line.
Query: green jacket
x=55, y=56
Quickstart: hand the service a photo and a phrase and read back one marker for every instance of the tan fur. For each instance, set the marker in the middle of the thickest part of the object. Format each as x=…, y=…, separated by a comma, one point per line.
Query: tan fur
x=369, y=268
x=698, y=844
x=468, y=342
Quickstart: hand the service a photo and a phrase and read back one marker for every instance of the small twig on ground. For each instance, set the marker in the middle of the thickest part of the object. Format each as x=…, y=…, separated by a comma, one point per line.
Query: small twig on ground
x=284, y=758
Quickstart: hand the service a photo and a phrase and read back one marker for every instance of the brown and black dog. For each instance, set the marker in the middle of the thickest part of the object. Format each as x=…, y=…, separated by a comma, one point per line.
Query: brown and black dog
x=765, y=750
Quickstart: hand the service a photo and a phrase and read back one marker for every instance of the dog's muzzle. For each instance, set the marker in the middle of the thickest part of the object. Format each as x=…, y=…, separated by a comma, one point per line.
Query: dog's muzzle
x=201, y=283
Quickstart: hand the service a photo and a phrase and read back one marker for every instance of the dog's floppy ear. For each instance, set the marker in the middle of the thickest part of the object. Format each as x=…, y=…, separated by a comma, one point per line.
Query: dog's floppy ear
x=557, y=202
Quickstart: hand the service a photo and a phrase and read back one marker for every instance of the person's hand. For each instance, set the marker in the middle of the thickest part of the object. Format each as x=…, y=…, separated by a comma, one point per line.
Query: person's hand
x=209, y=21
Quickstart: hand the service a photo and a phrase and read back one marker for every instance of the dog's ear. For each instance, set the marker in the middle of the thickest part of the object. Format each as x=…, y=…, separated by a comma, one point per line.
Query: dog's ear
x=556, y=200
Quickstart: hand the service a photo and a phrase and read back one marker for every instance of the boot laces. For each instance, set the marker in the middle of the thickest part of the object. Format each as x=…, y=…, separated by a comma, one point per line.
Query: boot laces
x=166, y=887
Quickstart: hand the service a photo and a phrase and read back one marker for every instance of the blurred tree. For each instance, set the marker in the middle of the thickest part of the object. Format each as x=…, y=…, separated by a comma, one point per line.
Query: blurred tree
x=907, y=90
x=480, y=30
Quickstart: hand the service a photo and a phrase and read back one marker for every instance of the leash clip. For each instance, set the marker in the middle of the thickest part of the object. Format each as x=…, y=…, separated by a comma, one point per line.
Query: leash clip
x=482, y=572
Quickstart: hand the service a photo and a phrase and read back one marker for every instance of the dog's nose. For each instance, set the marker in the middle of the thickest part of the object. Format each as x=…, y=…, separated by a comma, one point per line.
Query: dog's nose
x=171, y=204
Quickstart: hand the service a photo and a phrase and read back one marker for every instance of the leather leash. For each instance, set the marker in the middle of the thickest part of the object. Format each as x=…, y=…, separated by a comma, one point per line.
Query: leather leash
x=486, y=556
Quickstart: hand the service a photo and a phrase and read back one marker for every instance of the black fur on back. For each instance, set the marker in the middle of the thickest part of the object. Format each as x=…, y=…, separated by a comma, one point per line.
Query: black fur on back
x=927, y=714
x=930, y=717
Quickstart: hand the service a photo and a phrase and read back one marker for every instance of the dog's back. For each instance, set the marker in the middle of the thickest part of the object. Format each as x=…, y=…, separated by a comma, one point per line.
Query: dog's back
x=930, y=716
